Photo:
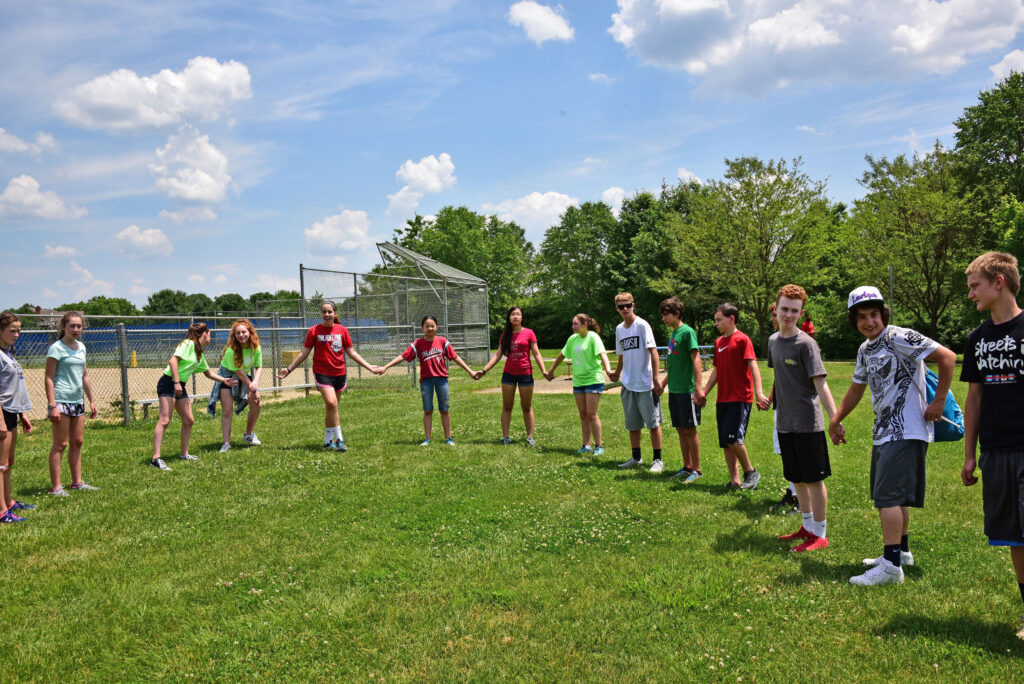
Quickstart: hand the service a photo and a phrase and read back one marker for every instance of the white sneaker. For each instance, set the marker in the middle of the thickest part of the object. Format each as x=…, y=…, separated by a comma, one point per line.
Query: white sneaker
x=906, y=558
x=226, y=446
x=188, y=457
x=425, y=442
x=251, y=438
x=631, y=463
x=657, y=466
x=883, y=573
x=159, y=463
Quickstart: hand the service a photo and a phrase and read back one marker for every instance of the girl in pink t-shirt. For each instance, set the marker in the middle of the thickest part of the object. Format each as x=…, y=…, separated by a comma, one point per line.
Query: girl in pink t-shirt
x=517, y=344
x=433, y=352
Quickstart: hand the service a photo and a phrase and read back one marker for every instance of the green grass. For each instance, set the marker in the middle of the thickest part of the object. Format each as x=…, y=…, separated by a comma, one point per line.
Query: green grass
x=394, y=562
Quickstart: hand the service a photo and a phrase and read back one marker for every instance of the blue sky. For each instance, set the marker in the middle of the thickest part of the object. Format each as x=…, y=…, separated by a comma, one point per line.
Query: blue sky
x=214, y=146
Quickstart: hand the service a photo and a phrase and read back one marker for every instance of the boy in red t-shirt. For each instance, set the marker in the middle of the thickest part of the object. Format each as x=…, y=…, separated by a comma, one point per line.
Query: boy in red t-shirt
x=738, y=378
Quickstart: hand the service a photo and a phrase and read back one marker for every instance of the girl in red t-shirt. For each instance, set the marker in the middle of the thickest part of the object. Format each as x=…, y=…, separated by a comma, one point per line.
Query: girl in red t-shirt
x=329, y=341
x=433, y=352
x=517, y=344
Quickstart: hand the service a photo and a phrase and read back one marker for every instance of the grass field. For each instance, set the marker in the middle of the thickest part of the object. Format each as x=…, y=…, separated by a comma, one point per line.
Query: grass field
x=398, y=563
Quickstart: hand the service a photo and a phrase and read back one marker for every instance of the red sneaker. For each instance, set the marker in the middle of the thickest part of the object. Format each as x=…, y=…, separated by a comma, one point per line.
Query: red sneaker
x=802, y=533
x=812, y=544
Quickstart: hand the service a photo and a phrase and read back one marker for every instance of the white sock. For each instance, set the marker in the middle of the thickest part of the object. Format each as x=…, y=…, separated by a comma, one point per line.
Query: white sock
x=792, y=489
x=337, y=433
x=328, y=434
x=808, y=521
x=819, y=528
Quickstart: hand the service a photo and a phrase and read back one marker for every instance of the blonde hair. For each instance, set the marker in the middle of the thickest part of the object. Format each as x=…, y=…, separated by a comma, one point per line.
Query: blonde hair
x=992, y=264
x=624, y=296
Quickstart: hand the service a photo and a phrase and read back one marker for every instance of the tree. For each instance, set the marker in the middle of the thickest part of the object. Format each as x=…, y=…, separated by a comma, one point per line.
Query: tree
x=990, y=139
x=486, y=247
x=763, y=225
x=199, y=304
x=231, y=302
x=166, y=302
x=915, y=219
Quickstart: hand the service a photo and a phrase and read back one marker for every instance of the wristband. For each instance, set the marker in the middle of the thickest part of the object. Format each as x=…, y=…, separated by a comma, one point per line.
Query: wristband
x=52, y=406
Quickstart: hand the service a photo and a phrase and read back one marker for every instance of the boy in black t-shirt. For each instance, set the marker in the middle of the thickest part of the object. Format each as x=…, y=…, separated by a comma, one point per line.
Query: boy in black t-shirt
x=994, y=410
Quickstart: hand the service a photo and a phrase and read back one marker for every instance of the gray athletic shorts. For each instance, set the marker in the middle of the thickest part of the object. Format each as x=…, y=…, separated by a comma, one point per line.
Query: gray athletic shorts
x=642, y=409
x=897, y=473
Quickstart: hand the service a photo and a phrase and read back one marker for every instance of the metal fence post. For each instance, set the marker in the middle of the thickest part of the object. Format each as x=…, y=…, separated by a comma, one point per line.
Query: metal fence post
x=444, y=301
x=355, y=295
x=122, y=343
x=191, y=322
x=275, y=344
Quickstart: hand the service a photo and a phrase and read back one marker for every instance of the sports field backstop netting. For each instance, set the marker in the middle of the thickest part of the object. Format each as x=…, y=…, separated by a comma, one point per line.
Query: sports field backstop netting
x=383, y=310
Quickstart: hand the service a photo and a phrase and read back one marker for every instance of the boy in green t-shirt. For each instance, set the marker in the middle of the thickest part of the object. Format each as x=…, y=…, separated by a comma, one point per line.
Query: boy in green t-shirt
x=683, y=379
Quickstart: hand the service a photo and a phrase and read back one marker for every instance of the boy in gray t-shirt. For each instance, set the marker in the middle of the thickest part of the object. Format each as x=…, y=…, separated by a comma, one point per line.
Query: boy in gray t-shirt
x=800, y=390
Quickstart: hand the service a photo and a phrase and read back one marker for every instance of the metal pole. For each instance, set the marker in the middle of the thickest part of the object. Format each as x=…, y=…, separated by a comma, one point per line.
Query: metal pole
x=122, y=343
x=355, y=293
x=410, y=368
x=444, y=292
x=302, y=297
x=191, y=321
x=275, y=341
x=487, y=318
x=891, y=303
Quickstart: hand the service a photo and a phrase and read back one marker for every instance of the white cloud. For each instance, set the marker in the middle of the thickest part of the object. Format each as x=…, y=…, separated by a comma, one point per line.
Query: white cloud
x=189, y=214
x=12, y=143
x=272, y=283
x=60, y=251
x=47, y=293
x=540, y=22
x=150, y=242
x=190, y=168
x=598, y=77
x=123, y=100
x=687, y=176
x=85, y=285
x=138, y=288
x=1013, y=61
x=429, y=175
x=756, y=45
x=227, y=269
x=196, y=278
x=22, y=197
x=806, y=129
x=46, y=142
x=346, y=230
x=535, y=212
x=613, y=197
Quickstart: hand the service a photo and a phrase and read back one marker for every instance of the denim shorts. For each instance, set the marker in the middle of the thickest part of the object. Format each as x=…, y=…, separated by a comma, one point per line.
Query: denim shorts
x=596, y=388
x=428, y=386
x=521, y=380
x=165, y=388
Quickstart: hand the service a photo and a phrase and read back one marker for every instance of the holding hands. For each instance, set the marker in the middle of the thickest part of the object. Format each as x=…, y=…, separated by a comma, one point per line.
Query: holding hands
x=763, y=402
x=837, y=432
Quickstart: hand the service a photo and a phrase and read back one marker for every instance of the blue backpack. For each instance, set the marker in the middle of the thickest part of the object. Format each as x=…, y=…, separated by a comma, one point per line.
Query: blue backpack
x=950, y=427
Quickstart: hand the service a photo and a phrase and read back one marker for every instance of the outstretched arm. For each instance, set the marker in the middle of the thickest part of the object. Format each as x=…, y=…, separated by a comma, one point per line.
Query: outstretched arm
x=850, y=401
x=351, y=351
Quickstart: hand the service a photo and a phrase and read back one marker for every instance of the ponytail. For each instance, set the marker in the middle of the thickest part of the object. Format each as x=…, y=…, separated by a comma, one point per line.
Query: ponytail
x=195, y=331
x=588, y=321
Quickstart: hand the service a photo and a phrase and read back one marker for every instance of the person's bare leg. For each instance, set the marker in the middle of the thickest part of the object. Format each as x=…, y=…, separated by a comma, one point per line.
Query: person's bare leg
x=508, y=400
x=250, y=421
x=76, y=437
x=184, y=409
x=526, y=402
x=446, y=424
x=428, y=423
x=593, y=402
x=581, y=407
x=330, y=398
x=60, y=442
x=892, y=524
x=164, y=419
x=227, y=406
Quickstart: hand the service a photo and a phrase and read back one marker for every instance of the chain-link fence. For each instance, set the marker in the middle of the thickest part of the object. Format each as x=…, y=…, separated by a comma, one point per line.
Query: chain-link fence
x=383, y=314
x=127, y=355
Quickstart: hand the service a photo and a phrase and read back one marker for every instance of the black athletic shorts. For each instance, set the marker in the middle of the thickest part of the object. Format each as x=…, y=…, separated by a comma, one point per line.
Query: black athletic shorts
x=684, y=413
x=165, y=388
x=338, y=382
x=804, y=456
x=732, y=422
x=1002, y=495
x=11, y=420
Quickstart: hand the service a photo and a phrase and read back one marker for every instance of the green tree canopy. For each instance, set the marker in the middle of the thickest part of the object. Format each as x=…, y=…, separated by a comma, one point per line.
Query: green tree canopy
x=231, y=302
x=990, y=139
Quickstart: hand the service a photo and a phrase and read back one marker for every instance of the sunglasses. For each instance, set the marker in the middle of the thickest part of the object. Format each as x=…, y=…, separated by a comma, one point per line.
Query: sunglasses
x=624, y=307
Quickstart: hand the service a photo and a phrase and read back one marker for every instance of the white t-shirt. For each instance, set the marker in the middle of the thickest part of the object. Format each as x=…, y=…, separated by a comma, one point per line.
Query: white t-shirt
x=899, y=405
x=634, y=345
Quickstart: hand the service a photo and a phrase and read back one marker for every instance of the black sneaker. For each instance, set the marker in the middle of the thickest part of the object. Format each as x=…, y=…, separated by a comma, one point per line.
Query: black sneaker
x=787, y=501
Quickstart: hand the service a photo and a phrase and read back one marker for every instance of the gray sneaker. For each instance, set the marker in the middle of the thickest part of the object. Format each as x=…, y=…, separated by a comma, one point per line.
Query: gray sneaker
x=58, y=492
x=188, y=457
x=530, y=442
x=83, y=487
x=750, y=479
x=631, y=463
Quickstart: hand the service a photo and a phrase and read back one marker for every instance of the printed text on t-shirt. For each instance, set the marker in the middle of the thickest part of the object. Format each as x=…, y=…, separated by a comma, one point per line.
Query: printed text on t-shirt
x=630, y=342
x=994, y=355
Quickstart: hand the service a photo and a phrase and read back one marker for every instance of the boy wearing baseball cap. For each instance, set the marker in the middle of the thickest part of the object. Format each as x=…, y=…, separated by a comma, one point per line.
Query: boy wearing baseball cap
x=994, y=410
x=891, y=361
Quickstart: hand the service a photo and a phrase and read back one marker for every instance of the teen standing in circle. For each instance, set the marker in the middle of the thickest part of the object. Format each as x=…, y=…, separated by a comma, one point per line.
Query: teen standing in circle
x=434, y=352
x=586, y=351
x=329, y=341
x=243, y=358
x=516, y=344
x=67, y=385
x=187, y=359
x=15, y=402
